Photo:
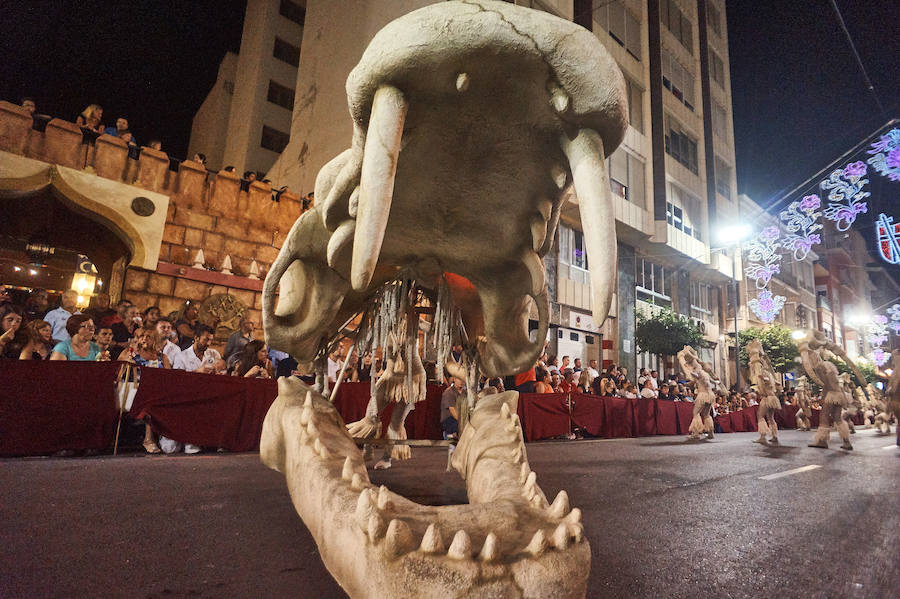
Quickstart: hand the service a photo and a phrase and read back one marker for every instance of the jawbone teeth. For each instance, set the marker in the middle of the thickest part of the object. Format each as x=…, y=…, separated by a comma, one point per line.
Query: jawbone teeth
x=560, y=506
x=432, y=541
x=560, y=537
x=398, y=539
x=357, y=482
x=347, y=471
x=376, y=526
x=461, y=547
x=384, y=499
x=524, y=472
x=538, y=544
x=490, y=551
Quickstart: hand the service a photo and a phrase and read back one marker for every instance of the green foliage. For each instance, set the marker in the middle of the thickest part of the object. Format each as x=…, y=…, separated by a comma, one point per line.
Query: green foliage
x=666, y=333
x=866, y=368
x=776, y=341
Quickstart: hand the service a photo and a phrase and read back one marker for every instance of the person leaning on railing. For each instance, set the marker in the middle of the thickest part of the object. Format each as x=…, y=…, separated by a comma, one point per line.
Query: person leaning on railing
x=79, y=345
x=254, y=361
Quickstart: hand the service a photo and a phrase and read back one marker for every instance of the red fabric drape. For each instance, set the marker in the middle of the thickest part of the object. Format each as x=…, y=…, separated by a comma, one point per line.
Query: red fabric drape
x=644, y=416
x=666, y=419
x=589, y=413
x=49, y=406
x=724, y=422
x=618, y=418
x=750, y=419
x=814, y=418
x=685, y=412
x=737, y=421
x=204, y=409
x=546, y=415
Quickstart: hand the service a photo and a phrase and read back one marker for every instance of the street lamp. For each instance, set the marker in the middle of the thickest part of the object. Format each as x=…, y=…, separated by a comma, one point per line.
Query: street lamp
x=728, y=236
x=798, y=335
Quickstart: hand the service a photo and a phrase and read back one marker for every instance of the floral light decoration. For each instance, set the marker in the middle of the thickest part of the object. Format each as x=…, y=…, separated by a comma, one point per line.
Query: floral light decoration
x=800, y=220
x=764, y=257
x=767, y=306
x=894, y=313
x=878, y=336
x=886, y=159
x=846, y=198
x=879, y=356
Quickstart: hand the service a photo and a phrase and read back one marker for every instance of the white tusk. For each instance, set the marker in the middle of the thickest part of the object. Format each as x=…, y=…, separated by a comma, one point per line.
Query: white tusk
x=376, y=186
x=585, y=154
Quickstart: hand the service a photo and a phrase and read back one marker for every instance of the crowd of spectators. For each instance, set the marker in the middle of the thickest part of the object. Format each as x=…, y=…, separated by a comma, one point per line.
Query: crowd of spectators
x=33, y=330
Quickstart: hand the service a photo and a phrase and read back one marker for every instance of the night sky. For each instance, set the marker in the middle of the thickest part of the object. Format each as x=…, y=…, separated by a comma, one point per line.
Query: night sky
x=800, y=99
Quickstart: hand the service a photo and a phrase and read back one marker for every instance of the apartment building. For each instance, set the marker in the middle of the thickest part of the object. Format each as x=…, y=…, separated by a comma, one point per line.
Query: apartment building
x=245, y=121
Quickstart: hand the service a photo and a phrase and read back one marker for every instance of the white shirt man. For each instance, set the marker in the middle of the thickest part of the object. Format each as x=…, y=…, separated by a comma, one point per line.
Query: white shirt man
x=199, y=357
x=58, y=318
x=164, y=328
x=648, y=392
x=592, y=368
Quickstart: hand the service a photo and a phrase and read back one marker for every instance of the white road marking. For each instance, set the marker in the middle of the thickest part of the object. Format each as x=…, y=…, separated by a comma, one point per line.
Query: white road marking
x=789, y=472
x=890, y=446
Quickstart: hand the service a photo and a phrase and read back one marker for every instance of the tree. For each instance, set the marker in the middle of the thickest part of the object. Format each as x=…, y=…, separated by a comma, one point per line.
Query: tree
x=665, y=333
x=865, y=367
x=776, y=341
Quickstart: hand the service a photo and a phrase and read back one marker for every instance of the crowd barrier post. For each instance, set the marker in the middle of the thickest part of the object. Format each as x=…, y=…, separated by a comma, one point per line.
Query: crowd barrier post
x=122, y=396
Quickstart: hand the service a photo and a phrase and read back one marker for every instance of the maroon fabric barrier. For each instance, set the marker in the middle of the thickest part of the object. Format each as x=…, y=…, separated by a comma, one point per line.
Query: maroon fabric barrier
x=750, y=420
x=666, y=418
x=204, y=409
x=546, y=415
x=737, y=421
x=814, y=418
x=685, y=411
x=644, y=416
x=618, y=418
x=49, y=406
x=589, y=413
x=724, y=422
x=788, y=416
x=424, y=422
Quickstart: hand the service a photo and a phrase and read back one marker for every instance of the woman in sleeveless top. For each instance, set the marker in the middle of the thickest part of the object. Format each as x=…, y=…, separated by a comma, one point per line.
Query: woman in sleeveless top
x=40, y=341
x=146, y=352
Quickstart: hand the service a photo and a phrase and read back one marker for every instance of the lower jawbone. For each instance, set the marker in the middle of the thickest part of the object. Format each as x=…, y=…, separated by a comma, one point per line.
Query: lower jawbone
x=507, y=542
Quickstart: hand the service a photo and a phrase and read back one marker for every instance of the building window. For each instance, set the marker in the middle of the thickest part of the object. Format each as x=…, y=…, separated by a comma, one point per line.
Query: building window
x=650, y=283
x=292, y=12
x=273, y=139
x=723, y=179
x=719, y=117
x=713, y=18
x=716, y=68
x=635, y=105
x=286, y=52
x=678, y=79
x=683, y=212
x=571, y=248
x=703, y=305
x=682, y=147
x=620, y=23
x=281, y=95
x=676, y=22
x=626, y=176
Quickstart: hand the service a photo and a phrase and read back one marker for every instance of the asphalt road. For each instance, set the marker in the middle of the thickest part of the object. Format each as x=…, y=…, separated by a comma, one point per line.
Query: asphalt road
x=664, y=519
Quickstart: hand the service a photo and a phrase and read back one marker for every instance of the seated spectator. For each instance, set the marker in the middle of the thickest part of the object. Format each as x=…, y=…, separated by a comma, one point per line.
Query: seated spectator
x=150, y=317
x=648, y=392
x=121, y=131
x=201, y=158
x=643, y=375
x=29, y=105
x=553, y=365
x=629, y=391
x=40, y=341
x=584, y=380
x=592, y=368
x=568, y=382
x=184, y=326
x=622, y=377
x=103, y=336
x=90, y=118
x=99, y=309
x=556, y=382
x=525, y=381
x=664, y=393
x=78, y=344
x=364, y=369
x=58, y=317
x=254, y=361
x=164, y=328
x=155, y=144
x=576, y=365
x=605, y=387
x=497, y=383
x=11, y=341
x=238, y=339
x=198, y=357
x=127, y=321
x=249, y=176
x=36, y=305
x=542, y=380
x=654, y=380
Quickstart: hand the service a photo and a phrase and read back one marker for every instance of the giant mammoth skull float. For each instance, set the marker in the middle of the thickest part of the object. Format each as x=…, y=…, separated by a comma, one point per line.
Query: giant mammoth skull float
x=472, y=123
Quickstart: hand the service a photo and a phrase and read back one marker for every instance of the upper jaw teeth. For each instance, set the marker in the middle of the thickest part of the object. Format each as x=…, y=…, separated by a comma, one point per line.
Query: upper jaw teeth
x=502, y=532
